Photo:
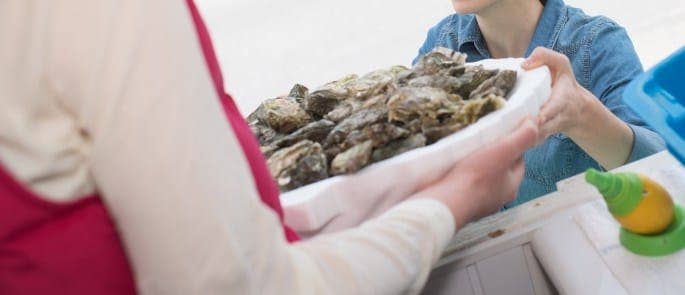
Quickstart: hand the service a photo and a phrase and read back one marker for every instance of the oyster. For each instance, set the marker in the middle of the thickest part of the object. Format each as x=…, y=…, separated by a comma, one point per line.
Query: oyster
x=395, y=70
x=438, y=60
x=342, y=111
x=454, y=71
x=404, y=76
x=282, y=114
x=371, y=83
x=265, y=135
x=445, y=82
x=475, y=109
x=437, y=132
x=456, y=56
x=268, y=150
x=331, y=152
x=299, y=92
x=353, y=159
x=472, y=78
x=315, y=131
x=500, y=85
x=425, y=103
x=397, y=147
x=356, y=121
x=377, y=101
x=378, y=134
x=298, y=165
x=326, y=98
x=414, y=126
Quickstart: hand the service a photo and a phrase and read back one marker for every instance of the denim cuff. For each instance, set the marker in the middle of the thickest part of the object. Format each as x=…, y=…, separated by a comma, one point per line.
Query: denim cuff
x=645, y=142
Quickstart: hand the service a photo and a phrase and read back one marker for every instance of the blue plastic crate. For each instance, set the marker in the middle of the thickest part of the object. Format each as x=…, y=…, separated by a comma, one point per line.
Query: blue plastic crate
x=658, y=96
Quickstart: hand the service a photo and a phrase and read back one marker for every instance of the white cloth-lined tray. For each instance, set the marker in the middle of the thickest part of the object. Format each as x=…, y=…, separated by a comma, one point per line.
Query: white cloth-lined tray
x=344, y=201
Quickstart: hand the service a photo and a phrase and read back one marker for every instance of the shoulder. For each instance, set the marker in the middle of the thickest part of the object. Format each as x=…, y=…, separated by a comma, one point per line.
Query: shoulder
x=582, y=29
x=446, y=22
x=448, y=25
x=593, y=44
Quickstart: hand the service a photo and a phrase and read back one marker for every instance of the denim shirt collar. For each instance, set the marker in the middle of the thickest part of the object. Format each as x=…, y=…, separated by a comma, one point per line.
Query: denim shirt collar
x=549, y=26
x=546, y=31
x=469, y=33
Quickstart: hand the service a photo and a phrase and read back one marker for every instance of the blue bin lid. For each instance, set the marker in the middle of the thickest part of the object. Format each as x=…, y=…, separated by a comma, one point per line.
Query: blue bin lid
x=658, y=96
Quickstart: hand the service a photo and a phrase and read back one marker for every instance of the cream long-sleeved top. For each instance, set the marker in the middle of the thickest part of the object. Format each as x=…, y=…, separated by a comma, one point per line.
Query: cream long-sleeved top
x=114, y=96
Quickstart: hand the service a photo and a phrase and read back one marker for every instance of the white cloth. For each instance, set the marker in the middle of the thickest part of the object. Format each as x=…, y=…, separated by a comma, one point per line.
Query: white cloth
x=115, y=96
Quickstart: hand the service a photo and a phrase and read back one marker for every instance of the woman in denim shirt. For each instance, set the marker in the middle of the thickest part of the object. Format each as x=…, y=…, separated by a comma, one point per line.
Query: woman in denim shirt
x=585, y=124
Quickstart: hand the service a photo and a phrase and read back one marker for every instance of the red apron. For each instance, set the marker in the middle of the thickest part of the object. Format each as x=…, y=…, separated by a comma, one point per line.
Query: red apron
x=74, y=248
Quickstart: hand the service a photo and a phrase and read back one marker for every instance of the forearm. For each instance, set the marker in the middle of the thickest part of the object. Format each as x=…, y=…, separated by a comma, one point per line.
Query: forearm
x=392, y=254
x=601, y=134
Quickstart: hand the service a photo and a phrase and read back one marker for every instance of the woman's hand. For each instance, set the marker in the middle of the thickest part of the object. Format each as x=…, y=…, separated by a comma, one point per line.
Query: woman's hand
x=484, y=181
x=576, y=112
x=564, y=111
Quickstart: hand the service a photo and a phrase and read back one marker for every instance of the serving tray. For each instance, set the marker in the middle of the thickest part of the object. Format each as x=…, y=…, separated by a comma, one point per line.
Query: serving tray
x=345, y=201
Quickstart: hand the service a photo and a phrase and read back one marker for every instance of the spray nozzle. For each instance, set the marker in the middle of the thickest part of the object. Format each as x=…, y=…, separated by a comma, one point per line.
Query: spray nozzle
x=609, y=185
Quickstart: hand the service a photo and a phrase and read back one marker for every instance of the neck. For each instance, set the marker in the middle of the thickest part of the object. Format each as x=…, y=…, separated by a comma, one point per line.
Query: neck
x=508, y=26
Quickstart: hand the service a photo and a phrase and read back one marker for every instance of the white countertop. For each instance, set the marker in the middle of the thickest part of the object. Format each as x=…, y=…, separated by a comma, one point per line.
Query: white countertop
x=577, y=208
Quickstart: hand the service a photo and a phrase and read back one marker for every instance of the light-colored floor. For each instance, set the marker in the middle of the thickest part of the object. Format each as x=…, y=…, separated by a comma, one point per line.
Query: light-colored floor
x=266, y=46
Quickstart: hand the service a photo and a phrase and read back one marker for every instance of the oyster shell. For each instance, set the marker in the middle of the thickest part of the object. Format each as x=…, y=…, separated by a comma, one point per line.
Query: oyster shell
x=445, y=82
x=331, y=152
x=397, y=147
x=404, y=77
x=377, y=101
x=315, y=131
x=342, y=111
x=437, y=132
x=500, y=85
x=353, y=159
x=472, y=78
x=437, y=60
x=326, y=98
x=396, y=69
x=378, y=134
x=356, y=121
x=475, y=109
x=413, y=126
x=265, y=135
x=371, y=84
x=425, y=103
x=298, y=165
x=282, y=114
x=299, y=92
x=268, y=150
x=454, y=71
x=350, y=106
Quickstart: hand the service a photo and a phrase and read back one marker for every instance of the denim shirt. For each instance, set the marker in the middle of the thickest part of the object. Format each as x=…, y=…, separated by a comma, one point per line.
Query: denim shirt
x=604, y=62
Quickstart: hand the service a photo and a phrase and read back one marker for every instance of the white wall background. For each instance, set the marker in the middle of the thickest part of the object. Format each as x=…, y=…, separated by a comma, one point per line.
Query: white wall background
x=266, y=46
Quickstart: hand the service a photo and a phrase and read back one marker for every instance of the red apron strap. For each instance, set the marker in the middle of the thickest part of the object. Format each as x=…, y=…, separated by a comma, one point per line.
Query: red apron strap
x=267, y=188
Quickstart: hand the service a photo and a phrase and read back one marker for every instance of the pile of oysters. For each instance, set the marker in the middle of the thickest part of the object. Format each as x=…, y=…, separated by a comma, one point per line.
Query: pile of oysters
x=350, y=123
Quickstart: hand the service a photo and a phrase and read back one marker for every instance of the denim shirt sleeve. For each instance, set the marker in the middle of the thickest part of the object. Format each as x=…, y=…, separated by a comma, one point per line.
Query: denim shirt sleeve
x=613, y=64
